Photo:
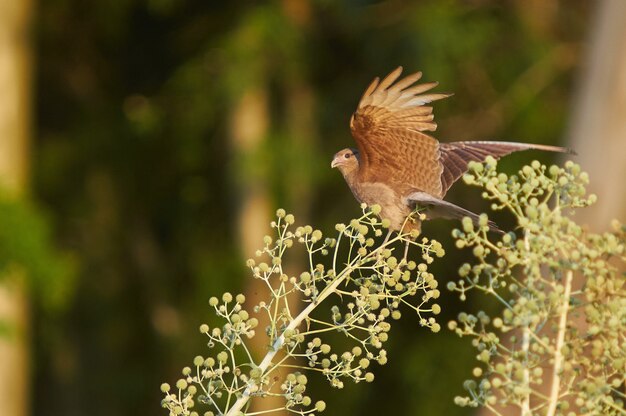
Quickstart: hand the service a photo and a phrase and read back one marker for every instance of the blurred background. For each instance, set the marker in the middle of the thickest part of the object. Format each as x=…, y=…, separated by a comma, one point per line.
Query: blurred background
x=145, y=145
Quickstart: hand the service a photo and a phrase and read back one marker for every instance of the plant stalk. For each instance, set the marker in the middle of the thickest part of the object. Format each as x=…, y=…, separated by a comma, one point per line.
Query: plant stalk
x=267, y=360
x=560, y=340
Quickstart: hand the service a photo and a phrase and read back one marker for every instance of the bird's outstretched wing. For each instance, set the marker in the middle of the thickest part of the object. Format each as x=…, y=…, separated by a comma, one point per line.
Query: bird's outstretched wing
x=389, y=126
x=456, y=156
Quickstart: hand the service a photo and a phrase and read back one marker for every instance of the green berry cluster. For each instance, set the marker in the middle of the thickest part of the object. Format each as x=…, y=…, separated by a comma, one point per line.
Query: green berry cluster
x=559, y=345
x=353, y=285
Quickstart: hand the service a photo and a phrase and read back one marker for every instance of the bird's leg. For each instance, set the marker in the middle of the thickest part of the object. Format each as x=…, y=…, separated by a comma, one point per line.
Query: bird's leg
x=413, y=224
x=387, y=238
x=380, y=253
x=406, y=252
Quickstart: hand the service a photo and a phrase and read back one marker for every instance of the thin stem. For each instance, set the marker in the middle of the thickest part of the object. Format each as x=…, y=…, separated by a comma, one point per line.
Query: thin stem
x=526, y=375
x=262, y=412
x=267, y=360
x=560, y=340
x=614, y=407
x=526, y=349
x=493, y=409
x=336, y=251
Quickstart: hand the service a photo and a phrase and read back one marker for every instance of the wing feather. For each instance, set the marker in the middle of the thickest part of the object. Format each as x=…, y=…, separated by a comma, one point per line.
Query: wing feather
x=408, y=80
x=420, y=88
x=389, y=126
x=370, y=89
x=389, y=79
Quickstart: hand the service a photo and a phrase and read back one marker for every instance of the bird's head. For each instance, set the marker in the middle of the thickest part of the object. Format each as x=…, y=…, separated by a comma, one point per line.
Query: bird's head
x=346, y=160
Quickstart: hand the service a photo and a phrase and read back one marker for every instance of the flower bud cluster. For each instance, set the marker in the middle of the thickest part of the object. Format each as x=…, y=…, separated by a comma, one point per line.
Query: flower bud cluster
x=548, y=331
x=353, y=286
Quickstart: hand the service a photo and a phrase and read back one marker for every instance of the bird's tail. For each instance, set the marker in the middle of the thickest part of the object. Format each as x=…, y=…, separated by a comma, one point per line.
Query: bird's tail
x=438, y=208
x=456, y=212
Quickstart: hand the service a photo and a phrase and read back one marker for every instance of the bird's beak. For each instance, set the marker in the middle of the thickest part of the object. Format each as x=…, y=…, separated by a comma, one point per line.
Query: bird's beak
x=336, y=162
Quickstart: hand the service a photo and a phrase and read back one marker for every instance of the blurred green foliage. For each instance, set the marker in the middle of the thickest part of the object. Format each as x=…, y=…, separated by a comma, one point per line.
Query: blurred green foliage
x=27, y=252
x=133, y=163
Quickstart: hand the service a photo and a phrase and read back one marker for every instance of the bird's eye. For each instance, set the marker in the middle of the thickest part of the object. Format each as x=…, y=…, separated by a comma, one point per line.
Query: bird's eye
x=347, y=155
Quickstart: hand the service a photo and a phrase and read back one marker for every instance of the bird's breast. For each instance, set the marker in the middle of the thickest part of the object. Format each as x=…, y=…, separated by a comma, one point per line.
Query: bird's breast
x=392, y=206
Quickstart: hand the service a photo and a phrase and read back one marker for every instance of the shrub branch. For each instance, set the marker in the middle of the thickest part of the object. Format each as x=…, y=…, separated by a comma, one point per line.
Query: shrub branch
x=369, y=287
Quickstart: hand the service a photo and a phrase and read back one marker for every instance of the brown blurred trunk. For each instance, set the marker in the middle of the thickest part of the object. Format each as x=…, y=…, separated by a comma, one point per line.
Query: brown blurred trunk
x=598, y=122
x=598, y=132
x=249, y=129
x=15, y=70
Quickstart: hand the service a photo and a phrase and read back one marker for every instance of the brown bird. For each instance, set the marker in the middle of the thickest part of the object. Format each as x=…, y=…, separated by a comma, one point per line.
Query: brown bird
x=400, y=167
